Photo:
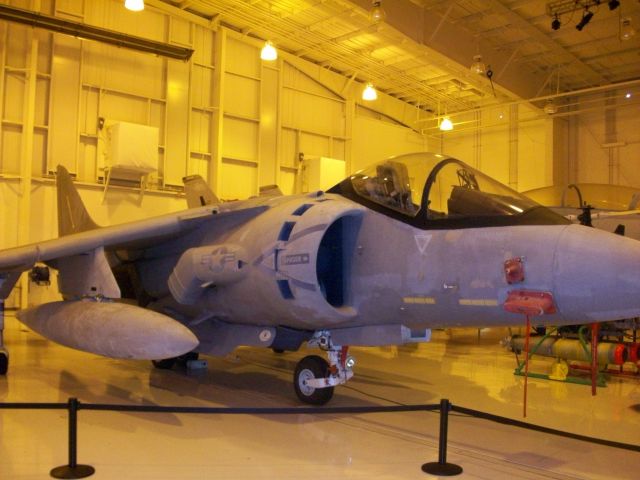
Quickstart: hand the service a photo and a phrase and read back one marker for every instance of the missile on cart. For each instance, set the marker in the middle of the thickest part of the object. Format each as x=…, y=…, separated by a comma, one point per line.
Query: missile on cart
x=112, y=329
x=571, y=349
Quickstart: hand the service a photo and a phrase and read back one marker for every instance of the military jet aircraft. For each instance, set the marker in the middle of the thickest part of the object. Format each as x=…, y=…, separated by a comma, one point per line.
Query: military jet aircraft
x=415, y=242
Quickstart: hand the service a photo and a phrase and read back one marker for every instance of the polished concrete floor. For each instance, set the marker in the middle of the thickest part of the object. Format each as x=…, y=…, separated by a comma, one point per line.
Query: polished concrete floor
x=469, y=369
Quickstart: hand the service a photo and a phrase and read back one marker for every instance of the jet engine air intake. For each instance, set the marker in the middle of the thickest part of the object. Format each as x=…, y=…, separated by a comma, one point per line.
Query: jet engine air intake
x=203, y=267
x=332, y=266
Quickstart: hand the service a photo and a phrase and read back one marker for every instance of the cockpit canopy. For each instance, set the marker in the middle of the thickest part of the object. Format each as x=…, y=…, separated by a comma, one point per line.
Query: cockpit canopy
x=427, y=188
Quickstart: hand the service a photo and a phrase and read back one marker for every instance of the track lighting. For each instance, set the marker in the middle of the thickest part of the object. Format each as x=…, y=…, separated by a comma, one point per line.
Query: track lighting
x=268, y=52
x=557, y=8
x=369, y=93
x=134, y=5
x=377, y=13
x=586, y=18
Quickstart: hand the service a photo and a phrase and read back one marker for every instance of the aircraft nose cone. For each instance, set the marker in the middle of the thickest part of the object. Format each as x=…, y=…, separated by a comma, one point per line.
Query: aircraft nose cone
x=597, y=275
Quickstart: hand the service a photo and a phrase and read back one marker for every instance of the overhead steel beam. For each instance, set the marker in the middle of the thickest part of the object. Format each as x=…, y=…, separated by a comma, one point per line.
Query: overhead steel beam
x=88, y=32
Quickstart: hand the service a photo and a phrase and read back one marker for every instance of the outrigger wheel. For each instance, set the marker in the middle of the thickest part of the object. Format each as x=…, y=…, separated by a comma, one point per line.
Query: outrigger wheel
x=4, y=361
x=309, y=368
x=168, y=363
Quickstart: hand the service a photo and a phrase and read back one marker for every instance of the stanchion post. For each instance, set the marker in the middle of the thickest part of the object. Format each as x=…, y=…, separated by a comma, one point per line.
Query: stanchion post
x=73, y=470
x=441, y=467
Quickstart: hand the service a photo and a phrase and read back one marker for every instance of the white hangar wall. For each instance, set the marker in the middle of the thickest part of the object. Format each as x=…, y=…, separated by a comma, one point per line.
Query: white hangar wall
x=225, y=114
x=603, y=138
x=512, y=143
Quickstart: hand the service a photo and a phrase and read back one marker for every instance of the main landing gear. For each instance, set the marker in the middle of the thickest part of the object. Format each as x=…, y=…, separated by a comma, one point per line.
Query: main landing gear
x=314, y=377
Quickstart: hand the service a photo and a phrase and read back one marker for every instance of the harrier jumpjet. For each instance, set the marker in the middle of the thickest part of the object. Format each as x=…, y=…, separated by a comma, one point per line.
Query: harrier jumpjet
x=415, y=242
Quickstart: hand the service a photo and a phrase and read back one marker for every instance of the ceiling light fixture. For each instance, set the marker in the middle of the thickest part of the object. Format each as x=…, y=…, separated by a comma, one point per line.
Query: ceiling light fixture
x=627, y=95
x=626, y=30
x=369, y=93
x=377, y=13
x=613, y=4
x=446, y=124
x=478, y=65
x=134, y=5
x=268, y=52
x=586, y=18
x=555, y=24
x=550, y=108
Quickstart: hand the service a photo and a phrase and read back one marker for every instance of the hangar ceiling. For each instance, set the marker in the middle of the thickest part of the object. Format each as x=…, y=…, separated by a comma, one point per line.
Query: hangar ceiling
x=422, y=51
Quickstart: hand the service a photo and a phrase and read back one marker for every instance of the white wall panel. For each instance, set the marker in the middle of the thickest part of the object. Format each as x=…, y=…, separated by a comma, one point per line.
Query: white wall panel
x=203, y=42
x=535, y=152
x=375, y=140
x=201, y=86
x=110, y=14
x=244, y=96
x=315, y=145
x=242, y=58
x=289, y=148
x=65, y=103
x=10, y=142
x=176, y=146
x=240, y=139
x=593, y=160
x=287, y=182
x=14, y=85
x=179, y=31
x=313, y=113
x=8, y=213
x=124, y=70
x=17, y=45
x=240, y=180
x=200, y=133
x=269, y=126
x=39, y=160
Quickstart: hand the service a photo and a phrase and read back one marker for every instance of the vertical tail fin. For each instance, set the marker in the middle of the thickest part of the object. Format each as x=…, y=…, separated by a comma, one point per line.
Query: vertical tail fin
x=72, y=214
x=198, y=192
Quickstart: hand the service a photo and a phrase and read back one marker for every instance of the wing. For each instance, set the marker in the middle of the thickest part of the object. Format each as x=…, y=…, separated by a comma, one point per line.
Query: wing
x=80, y=256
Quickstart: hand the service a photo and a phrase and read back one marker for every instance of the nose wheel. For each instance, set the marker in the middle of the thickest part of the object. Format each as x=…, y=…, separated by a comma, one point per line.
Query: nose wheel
x=309, y=369
x=315, y=378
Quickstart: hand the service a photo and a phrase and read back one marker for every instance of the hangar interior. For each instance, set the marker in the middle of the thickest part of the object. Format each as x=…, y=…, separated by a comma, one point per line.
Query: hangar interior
x=559, y=107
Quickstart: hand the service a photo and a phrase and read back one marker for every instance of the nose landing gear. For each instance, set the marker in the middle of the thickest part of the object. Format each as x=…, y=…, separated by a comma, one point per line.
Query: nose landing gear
x=315, y=378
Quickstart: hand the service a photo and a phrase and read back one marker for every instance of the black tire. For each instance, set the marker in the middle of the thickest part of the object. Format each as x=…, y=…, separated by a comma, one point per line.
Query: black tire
x=182, y=360
x=166, y=364
x=308, y=368
x=4, y=363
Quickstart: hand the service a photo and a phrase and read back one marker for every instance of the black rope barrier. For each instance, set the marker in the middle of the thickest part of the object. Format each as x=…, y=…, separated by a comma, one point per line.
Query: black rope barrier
x=442, y=468
x=257, y=410
x=539, y=428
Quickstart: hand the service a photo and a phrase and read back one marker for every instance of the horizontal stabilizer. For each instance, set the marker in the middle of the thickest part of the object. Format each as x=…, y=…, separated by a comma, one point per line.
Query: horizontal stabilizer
x=115, y=330
x=198, y=192
x=270, y=191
